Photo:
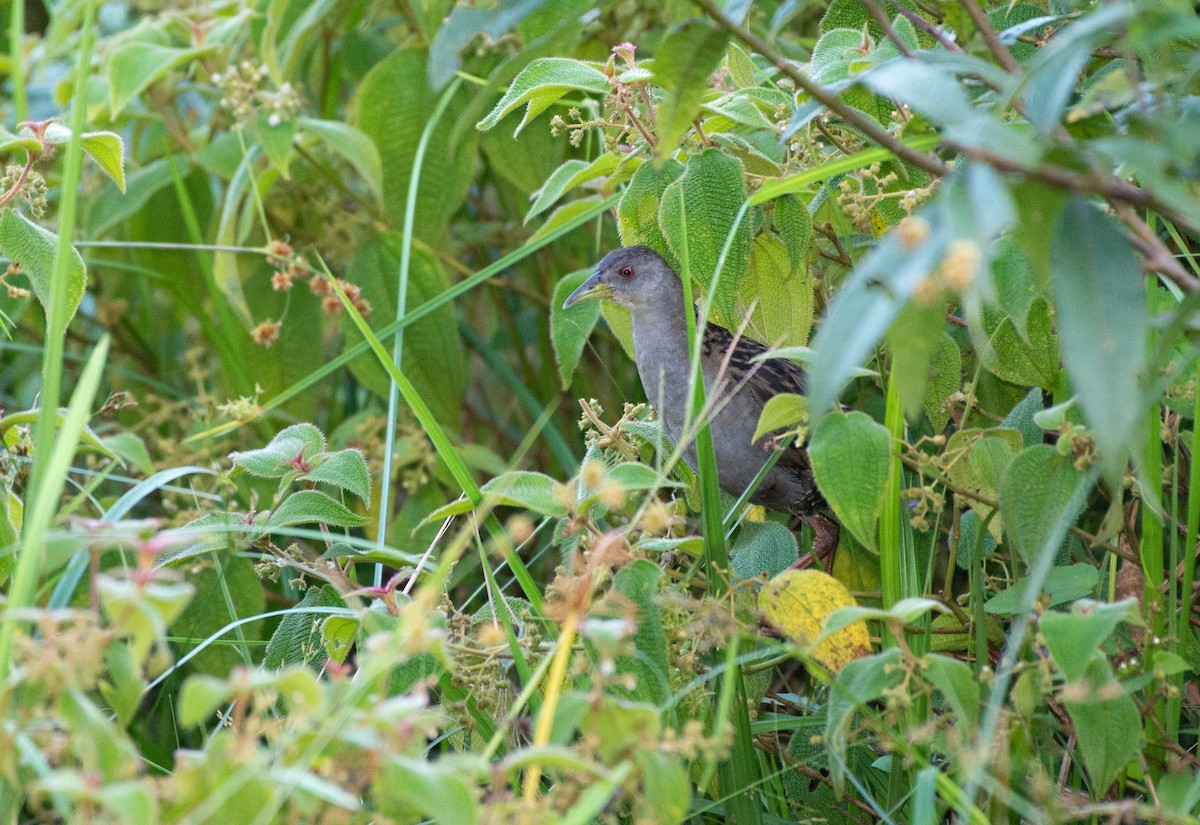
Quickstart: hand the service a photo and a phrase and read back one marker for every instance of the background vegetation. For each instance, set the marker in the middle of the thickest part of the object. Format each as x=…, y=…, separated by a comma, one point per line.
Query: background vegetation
x=316, y=507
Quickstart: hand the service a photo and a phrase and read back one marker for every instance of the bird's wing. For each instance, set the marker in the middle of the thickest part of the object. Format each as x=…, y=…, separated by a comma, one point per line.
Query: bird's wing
x=762, y=379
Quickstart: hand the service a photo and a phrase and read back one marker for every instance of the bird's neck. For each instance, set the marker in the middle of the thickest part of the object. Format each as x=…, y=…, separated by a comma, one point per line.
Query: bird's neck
x=661, y=344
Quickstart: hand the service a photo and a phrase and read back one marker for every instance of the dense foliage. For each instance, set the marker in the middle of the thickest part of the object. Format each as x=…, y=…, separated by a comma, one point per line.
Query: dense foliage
x=317, y=506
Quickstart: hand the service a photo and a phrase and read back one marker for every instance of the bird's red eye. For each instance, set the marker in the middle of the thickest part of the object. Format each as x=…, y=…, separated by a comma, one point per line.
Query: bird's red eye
x=626, y=272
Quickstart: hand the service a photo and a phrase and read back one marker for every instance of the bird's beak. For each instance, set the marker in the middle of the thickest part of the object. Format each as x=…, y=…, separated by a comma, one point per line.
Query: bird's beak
x=589, y=290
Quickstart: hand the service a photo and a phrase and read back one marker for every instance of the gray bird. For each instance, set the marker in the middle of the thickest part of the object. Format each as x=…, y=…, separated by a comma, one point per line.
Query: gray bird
x=637, y=278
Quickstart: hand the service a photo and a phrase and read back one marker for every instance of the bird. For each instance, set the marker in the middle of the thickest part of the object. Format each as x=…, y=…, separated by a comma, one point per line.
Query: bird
x=735, y=374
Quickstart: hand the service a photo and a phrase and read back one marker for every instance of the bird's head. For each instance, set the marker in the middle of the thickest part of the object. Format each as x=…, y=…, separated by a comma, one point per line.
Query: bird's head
x=633, y=276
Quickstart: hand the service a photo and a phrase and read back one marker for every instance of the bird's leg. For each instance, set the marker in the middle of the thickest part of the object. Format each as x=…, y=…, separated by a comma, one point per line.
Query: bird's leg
x=826, y=532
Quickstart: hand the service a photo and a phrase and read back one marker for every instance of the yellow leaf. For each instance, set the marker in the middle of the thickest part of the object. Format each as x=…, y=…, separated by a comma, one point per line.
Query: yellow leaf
x=797, y=602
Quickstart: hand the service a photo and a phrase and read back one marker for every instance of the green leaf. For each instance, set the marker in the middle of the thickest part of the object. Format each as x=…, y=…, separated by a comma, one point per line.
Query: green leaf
x=780, y=412
x=434, y=789
x=570, y=328
x=532, y=491
x=297, y=639
x=1016, y=286
x=1035, y=492
x=666, y=789
x=850, y=454
x=763, y=547
x=913, y=339
x=794, y=224
x=633, y=476
x=208, y=611
x=277, y=140
x=346, y=469
x=1062, y=585
x=303, y=441
x=313, y=507
x=710, y=192
x=859, y=683
x=637, y=213
x=199, y=699
x=1100, y=299
x=968, y=538
x=683, y=64
x=391, y=107
x=134, y=65
x=741, y=67
x=354, y=146
x=1107, y=724
x=1074, y=639
x=543, y=82
x=1012, y=359
x=566, y=177
x=958, y=685
x=1021, y=418
x=34, y=249
x=108, y=150
x=945, y=380
x=780, y=292
x=638, y=583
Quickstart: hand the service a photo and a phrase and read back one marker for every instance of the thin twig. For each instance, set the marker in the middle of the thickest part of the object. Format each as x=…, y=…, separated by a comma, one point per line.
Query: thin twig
x=877, y=13
x=924, y=25
x=998, y=50
x=1158, y=256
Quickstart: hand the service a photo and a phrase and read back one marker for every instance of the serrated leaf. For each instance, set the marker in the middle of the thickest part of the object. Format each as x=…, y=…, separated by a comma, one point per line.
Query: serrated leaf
x=531, y=491
x=708, y=196
x=570, y=327
x=637, y=212
x=346, y=469
x=781, y=294
x=34, y=248
x=1100, y=303
x=297, y=639
x=683, y=64
x=134, y=65
x=638, y=583
x=780, y=412
x=354, y=146
x=1035, y=493
x=543, y=82
x=794, y=224
x=968, y=540
x=1014, y=360
x=303, y=441
x=850, y=454
x=313, y=507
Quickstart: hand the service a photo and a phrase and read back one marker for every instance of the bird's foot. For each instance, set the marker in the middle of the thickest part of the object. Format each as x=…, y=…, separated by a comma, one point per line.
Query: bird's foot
x=826, y=532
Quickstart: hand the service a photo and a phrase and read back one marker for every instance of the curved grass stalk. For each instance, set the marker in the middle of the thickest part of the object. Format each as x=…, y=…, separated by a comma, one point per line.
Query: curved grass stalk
x=410, y=210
